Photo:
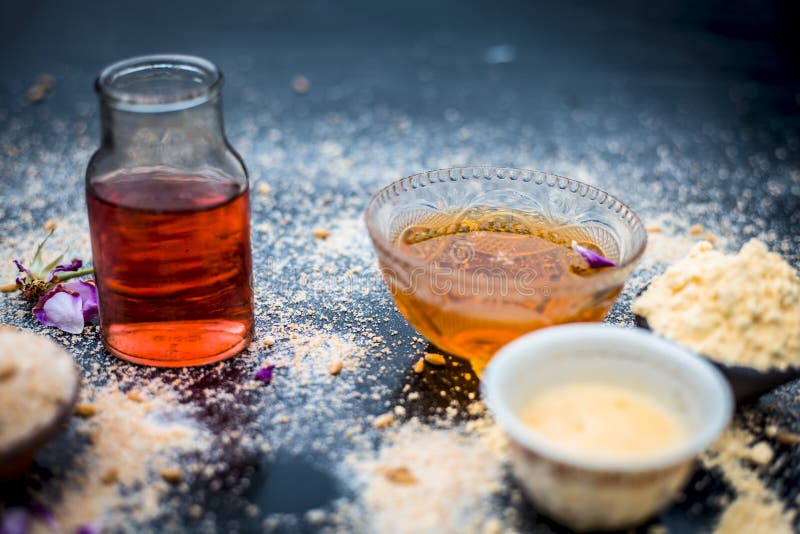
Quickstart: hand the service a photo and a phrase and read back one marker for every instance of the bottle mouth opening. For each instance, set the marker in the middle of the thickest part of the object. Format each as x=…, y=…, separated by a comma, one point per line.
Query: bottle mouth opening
x=157, y=83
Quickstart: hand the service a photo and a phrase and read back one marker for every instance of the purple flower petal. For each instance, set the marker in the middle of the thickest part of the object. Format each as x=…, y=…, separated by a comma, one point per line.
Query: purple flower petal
x=43, y=514
x=265, y=374
x=15, y=521
x=23, y=269
x=90, y=528
x=88, y=293
x=593, y=258
x=74, y=266
x=60, y=308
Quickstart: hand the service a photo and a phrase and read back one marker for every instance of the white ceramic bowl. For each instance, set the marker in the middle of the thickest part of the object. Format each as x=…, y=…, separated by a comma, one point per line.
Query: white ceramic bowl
x=592, y=493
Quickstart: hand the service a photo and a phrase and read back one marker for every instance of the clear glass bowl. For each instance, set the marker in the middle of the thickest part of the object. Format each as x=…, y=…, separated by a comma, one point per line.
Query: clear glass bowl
x=470, y=295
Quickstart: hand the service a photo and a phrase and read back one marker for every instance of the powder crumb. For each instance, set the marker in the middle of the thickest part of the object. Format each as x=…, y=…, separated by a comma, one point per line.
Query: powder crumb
x=264, y=189
x=251, y=510
x=492, y=526
x=771, y=431
x=761, y=453
x=322, y=233
x=39, y=91
x=476, y=408
x=335, y=367
x=135, y=396
x=316, y=516
x=196, y=511
x=300, y=85
x=383, y=421
x=697, y=229
x=85, y=409
x=741, y=309
x=110, y=476
x=434, y=359
x=398, y=475
x=172, y=475
x=788, y=438
x=419, y=367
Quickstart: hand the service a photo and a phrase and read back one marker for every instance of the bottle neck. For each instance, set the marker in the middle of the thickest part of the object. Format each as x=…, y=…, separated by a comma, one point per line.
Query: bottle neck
x=138, y=129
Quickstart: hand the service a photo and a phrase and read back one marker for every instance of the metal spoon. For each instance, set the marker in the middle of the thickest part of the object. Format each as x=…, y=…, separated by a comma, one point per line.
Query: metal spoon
x=748, y=383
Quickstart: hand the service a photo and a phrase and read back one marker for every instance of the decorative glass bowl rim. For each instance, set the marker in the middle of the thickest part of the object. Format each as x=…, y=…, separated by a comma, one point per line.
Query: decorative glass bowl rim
x=512, y=174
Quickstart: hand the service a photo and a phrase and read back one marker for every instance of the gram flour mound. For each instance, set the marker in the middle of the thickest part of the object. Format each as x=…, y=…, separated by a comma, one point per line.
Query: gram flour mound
x=741, y=309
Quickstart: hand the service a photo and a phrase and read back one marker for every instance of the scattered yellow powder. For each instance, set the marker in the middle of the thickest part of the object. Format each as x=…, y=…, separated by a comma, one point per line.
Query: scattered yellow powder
x=425, y=479
x=132, y=444
x=669, y=239
x=738, y=309
x=321, y=233
x=756, y=508
x=753, y=515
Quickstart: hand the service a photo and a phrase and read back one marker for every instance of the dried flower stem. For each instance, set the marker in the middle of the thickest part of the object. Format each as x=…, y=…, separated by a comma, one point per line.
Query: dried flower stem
x=61, y=277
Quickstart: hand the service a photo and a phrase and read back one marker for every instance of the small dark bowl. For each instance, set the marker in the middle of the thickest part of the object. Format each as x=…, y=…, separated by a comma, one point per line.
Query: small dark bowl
x=747, y=383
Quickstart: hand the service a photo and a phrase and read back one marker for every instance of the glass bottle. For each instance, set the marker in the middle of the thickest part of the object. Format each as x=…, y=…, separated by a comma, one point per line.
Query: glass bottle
x=169, y=215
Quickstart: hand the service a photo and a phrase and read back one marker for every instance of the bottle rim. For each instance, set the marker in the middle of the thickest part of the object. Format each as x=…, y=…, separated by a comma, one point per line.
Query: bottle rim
x=159, y=83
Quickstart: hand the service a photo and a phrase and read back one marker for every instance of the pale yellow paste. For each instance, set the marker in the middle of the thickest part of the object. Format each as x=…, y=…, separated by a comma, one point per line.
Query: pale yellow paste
x=602, y=419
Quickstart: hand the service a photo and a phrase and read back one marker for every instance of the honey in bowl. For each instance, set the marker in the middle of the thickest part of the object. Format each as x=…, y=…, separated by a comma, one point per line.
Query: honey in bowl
x=600, y=419
x=489, y=275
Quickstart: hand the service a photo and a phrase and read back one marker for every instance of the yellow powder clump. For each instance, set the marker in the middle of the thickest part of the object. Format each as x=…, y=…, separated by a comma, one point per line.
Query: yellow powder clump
x=741, y=309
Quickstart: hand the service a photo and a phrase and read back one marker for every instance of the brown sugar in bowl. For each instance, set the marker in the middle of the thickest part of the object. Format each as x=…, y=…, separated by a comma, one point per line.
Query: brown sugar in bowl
x=39, y=385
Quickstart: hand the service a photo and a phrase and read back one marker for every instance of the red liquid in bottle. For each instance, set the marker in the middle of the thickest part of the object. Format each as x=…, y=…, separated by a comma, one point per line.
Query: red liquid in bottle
x=173, y=267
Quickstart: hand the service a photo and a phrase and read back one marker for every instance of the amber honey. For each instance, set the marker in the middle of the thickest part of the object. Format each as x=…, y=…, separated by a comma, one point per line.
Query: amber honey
x=486, y=276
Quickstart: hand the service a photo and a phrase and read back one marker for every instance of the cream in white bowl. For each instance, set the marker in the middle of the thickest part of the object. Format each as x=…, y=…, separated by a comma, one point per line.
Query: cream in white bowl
x=587, y=483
